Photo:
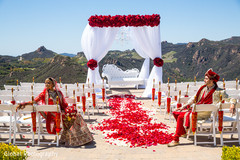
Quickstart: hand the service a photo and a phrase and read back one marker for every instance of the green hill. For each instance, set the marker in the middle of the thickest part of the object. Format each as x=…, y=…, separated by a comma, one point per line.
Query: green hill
x=181, y=62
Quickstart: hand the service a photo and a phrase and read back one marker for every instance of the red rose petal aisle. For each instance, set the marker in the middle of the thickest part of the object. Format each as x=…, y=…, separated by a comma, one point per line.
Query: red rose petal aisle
x=131, y=125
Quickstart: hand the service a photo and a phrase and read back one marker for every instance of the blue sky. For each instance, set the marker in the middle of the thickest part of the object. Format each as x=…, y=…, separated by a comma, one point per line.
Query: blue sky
x=26, y=25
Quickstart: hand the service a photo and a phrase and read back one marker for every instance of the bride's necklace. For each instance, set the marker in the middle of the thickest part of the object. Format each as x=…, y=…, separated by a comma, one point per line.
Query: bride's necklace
x=52, y=94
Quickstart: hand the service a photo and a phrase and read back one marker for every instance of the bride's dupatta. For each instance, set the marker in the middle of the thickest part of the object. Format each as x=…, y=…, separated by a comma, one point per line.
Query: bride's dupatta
x=43, y=98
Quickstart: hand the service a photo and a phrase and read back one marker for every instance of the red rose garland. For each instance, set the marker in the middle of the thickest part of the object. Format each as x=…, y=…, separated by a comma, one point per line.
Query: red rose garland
x=158, y=62
x=92, y=64
x=124, y=20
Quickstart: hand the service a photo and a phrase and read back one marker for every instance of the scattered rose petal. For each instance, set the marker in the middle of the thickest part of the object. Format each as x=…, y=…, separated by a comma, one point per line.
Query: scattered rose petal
x=133, y=125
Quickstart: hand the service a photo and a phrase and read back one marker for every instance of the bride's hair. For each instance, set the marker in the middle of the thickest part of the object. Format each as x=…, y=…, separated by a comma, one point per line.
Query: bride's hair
x=52, y=80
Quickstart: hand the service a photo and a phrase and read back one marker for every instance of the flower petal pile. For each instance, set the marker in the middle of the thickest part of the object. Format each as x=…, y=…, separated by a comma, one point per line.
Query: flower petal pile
x=131, y=124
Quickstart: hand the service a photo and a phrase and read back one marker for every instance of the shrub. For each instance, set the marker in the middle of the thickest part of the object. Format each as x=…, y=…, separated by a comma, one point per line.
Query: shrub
x=11, y=152
x=232, y=153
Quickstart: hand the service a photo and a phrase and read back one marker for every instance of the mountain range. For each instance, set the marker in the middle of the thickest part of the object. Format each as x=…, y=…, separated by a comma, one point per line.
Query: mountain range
x=182, y=61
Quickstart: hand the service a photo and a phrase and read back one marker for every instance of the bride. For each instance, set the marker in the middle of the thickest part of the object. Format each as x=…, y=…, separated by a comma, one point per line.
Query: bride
x=75, y=131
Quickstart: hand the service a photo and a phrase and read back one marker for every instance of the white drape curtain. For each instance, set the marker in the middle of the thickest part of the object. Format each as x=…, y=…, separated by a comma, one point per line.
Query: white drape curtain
x=95, y=44
x=149, y=41
x=144, y=72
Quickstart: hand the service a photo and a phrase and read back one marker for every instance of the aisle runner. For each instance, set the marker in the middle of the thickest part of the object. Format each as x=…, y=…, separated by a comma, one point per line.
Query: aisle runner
x=130, y=125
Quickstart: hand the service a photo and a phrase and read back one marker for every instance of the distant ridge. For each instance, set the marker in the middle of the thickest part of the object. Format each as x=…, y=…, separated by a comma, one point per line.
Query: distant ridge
x=68, y=54
x=232, y=40
x=182, y=62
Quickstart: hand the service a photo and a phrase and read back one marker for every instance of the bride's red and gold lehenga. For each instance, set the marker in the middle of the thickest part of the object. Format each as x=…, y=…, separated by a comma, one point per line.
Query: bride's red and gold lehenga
x=75, y=131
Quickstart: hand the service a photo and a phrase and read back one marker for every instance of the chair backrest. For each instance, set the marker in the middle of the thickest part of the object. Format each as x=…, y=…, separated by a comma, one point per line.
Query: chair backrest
x=23, y=93
x=99, y=86
x=40, y=85
x=48, y=108
x=233, y=92
x=28, y=108
x=184, y=99
x=227, y=105
x=23, y=98
x=26, y=84
x=9, y=87
x=25, y=88
x=206, y=107
x=5, y=97
x=7, y=107
x=70, y=100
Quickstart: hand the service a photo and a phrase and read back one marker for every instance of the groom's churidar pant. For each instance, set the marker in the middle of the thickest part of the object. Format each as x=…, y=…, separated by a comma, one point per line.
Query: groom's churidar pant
x=180, y=130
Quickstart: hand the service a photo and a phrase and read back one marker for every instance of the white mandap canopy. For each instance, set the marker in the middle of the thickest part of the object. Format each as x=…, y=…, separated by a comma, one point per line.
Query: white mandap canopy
x=101, y=31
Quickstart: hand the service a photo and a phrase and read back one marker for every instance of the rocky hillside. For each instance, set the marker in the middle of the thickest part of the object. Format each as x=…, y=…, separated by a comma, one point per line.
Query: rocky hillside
x=181, y=61
x=41, y=52
x=196, y=58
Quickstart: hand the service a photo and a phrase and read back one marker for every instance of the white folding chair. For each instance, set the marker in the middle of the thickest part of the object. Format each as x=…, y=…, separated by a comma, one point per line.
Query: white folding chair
x=6, y=118
x=23, y=124
x=99, y=101
x=163, y=102
x=46, y=108
x=79, y=105
x=234, y=128
x=212, y=131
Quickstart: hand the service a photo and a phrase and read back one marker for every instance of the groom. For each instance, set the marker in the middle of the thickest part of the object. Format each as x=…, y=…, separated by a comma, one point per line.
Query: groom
x=207, y=94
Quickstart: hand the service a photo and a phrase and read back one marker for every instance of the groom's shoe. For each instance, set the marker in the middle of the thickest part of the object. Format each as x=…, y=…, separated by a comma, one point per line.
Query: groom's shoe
x=173, y=144
x=184, y=135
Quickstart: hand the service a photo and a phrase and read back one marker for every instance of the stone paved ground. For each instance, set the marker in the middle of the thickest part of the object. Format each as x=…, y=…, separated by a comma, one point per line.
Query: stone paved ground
x=99, y=149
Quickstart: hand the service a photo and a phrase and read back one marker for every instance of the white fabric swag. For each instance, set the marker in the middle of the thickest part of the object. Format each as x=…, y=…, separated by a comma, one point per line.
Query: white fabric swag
x=149, y=41
x=144, y=73
x=95, y=45
x=97, y=41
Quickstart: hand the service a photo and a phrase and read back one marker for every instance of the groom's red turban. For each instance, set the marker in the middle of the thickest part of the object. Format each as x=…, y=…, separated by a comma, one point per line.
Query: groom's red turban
x=212, y=75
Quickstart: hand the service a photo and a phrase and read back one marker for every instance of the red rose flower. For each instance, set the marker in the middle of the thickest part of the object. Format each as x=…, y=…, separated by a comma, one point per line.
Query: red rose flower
x=92, y=64
x=158, y=62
